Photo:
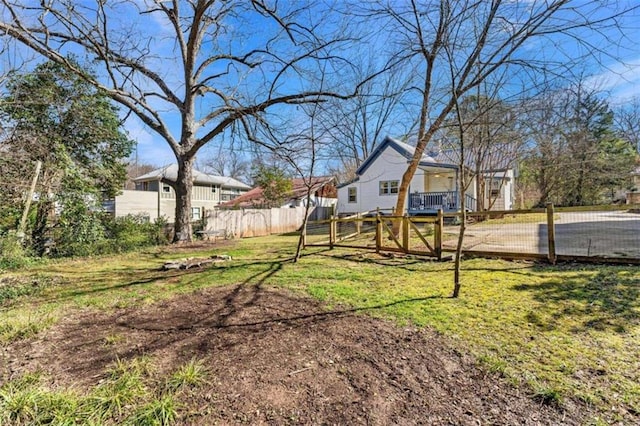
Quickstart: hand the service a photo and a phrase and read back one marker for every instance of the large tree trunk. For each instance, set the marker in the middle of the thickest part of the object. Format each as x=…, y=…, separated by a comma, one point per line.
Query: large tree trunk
x=183, y=188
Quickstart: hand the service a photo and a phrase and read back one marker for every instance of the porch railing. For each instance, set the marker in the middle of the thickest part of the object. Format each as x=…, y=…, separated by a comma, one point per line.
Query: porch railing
x=448, y=201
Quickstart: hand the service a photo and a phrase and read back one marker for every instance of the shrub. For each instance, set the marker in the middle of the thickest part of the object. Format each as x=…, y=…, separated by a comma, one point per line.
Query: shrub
x=12, y=254
x=79, y=231
x=134, y=231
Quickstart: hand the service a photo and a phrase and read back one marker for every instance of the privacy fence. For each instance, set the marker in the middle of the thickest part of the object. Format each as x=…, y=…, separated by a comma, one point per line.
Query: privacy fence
x=242, y=223
x=589, y=234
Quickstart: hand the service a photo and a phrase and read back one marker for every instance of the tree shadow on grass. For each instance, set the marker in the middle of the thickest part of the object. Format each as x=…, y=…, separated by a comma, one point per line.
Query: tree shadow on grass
x=104, y=282
x=606, y=300
x=206, y=321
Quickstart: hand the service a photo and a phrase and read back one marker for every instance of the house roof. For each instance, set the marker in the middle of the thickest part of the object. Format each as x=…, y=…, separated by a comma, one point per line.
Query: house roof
x=255, y=197
x=171, y=173
x=406, y=151
x=499, y=157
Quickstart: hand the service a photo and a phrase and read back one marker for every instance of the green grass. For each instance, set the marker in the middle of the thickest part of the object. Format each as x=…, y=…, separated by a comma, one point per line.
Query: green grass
x=565, y=332
x=190, y=375
x=512, y=218
x=130, y=395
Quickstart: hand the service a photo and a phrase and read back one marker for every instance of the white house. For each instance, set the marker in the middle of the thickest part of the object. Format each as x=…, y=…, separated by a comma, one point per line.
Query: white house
x=434, y=186
x=155, y=197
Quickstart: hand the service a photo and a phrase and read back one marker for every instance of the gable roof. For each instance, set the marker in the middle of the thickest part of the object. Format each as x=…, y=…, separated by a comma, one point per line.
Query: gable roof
x=170, y=173
x=406, y=151
x=255, y=197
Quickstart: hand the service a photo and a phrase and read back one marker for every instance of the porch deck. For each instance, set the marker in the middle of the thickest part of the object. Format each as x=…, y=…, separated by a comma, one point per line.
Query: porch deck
x=426, y=203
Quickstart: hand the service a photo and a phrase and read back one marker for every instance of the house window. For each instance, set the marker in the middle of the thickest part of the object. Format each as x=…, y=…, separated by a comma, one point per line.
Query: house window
x=213, y=189
x=145, y=186
x=495, y=188
x=353, y=194
x=195, y=213
x=389, y=187
x=166, y=188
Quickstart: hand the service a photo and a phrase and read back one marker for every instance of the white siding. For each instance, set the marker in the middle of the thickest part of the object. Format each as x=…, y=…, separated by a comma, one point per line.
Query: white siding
x=137, y=203
x=506, y=198
x=438, y=181
x=389, y=165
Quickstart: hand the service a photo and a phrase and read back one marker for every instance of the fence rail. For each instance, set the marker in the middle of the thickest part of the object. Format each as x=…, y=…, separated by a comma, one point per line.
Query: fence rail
x=413, y=235
x=609, y=234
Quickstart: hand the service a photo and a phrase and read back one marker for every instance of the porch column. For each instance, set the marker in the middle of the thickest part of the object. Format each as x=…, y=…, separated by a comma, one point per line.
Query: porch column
x=457, y=179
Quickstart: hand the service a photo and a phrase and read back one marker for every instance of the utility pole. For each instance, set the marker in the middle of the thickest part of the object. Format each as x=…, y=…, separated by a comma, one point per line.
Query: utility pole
x=27, y=204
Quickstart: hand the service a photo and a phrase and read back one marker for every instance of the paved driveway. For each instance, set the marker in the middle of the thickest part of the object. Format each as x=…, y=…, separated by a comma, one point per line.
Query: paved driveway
x=613, y=234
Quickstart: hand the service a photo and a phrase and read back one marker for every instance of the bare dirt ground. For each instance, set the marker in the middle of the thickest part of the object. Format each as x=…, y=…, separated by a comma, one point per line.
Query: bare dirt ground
x=276, y=358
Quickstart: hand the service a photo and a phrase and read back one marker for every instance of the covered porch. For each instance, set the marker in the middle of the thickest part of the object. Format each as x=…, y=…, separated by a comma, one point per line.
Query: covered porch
x=436, y=189
x=422, y=203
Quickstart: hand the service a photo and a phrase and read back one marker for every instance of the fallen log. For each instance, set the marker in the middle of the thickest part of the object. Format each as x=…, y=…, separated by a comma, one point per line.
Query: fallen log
x=193, y=262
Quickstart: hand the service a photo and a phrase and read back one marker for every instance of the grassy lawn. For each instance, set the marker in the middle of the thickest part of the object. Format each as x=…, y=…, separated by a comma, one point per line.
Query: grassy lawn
x=570, y=332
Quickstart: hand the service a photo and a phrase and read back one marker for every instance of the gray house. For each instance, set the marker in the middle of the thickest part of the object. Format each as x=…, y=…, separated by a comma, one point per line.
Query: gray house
x=155, y=197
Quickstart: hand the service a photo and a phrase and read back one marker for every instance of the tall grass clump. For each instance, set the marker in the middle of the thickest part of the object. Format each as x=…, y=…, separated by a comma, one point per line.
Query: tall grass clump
x=190, y=375
x=122, y=388
x=12, y=253
x=158, y=412
x=25, y=402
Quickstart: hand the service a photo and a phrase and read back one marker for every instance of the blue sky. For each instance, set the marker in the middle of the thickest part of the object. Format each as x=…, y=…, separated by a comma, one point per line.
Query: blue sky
x=619, y=80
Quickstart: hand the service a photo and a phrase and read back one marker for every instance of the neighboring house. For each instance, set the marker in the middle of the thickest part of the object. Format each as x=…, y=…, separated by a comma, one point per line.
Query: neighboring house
x=633, y=196
x=323, y=193
x=155, y=197
x=434, y=185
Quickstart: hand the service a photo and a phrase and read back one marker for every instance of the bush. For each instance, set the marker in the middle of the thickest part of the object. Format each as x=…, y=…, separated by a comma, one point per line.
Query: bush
x=99, y=234
x=80, y=233
x=12, y=254
x=134, y=231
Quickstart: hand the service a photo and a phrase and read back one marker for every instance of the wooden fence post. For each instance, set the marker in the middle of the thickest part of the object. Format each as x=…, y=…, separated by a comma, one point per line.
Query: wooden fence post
x=551, y=233
x=405, y=233
x=332, y=231
x=378, y=233
x=358, y=224
x=439, y=225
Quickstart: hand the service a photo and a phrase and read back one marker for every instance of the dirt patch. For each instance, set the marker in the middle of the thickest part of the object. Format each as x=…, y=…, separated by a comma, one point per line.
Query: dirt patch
x=277, y=358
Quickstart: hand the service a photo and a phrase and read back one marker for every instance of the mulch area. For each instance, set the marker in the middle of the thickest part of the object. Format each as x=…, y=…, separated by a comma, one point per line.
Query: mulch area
x=277, y=358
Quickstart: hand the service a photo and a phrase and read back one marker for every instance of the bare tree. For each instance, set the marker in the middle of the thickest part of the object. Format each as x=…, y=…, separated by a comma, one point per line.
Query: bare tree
x=188, y=69
x=627, y=121
x=455, y=45
x=136, y=169
x=225, y=160
x=356, y=125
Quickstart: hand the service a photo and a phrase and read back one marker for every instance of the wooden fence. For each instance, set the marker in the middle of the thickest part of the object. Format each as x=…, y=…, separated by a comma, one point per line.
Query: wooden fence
x=253, y=222
x=382, y=233
x=608, y=234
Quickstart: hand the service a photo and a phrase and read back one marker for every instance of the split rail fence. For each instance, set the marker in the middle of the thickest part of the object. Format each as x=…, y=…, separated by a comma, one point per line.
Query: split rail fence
x=609, y=234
